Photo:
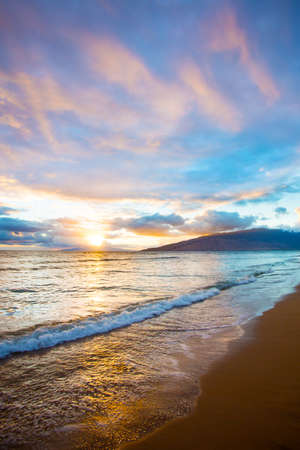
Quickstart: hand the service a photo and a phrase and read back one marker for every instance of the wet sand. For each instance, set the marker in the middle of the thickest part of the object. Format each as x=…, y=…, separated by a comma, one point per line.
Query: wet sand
x=250, y=399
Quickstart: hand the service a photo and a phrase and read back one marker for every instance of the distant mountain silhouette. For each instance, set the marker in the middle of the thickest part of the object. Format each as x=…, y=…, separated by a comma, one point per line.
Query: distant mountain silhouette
x=254, y=239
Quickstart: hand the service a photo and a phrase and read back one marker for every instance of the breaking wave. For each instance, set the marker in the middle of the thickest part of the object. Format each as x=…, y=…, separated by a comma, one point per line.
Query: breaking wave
x=47, y=337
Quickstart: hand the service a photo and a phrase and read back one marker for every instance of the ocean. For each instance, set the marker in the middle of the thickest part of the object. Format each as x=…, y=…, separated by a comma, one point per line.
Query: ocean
x=99, y=348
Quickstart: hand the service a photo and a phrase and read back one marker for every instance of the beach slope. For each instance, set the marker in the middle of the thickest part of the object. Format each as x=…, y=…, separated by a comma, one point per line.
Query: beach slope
x=250, y=399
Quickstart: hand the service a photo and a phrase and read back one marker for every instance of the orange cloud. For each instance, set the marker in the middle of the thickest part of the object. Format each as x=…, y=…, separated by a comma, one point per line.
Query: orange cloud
x=13, y=122
x=7, y=97
x=155, y=232
x=34, y=97
x=138, y=124
x=9, y=104
x=120, y=141
x=25, y=102
x=35, y=101
x=209, y=99
x=116, y=64
x=228, y=36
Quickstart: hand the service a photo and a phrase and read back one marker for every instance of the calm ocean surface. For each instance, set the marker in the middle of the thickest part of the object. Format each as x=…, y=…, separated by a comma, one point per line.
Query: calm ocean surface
x=116, y=334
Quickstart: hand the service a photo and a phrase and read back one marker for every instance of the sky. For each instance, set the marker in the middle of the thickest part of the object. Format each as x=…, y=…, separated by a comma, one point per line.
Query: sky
x=128, y=124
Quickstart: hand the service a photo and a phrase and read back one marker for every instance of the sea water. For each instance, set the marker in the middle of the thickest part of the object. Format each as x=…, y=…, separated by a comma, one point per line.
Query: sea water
x=98, y=348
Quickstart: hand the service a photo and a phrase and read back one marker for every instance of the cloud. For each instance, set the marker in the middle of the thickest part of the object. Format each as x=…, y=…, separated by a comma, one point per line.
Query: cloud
x=281, y=210
x=216, y=221
x=14, y=231
x=118, y=65
x=271, y=195
x=227, y=35
x=56, y=233
x=210, y=101
x=59, y=233
x=11, y=121
x=121, y=141
x=18, y=225
x=176, y=225
x=66, y=232
x=34, y=99
x=6, y=210
x=152, y=225
x=41, y=97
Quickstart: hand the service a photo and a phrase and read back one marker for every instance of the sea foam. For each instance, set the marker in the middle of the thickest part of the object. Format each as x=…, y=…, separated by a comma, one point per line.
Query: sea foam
x=46, y=337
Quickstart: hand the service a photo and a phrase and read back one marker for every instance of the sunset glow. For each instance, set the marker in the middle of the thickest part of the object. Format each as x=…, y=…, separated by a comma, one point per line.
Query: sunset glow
x=149, y=224
x=157, y=121
x=95, y=240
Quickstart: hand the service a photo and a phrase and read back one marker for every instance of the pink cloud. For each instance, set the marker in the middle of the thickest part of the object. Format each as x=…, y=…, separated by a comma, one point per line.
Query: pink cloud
x=24, y=97
x=117, y=64
x=227, y=35
x=210, y=101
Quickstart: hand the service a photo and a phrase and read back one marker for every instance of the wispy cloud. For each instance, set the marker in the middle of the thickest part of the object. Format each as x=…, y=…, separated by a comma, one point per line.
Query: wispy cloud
x=227, y=35
x=272, y=194
x=35, y=101
x=210, y=100
x=116, y=64
x=41, y=95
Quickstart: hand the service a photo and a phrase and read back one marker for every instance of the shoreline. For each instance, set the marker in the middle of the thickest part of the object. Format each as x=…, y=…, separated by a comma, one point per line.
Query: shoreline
x=250, y=399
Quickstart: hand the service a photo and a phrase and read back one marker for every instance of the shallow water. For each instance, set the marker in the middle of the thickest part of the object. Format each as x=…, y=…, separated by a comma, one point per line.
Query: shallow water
x=123, y=323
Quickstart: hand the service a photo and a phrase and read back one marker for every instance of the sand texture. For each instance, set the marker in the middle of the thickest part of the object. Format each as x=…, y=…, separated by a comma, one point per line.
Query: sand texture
x=250, y=399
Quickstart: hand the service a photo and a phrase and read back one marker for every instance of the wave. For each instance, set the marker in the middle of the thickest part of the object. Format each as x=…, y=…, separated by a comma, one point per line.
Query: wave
x=20, y=291
x=294, y=259
x=49, y=337
x=159, y=258
x=140, y=258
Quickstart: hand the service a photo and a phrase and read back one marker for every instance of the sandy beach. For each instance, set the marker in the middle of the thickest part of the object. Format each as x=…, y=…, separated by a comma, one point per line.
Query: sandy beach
x=251, y=398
